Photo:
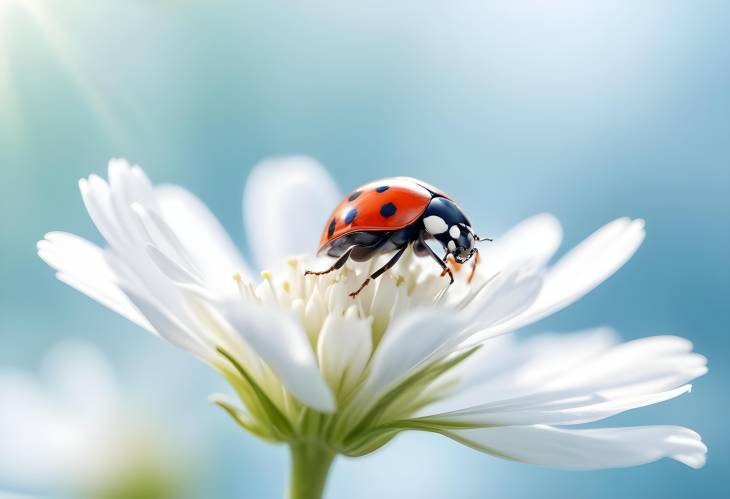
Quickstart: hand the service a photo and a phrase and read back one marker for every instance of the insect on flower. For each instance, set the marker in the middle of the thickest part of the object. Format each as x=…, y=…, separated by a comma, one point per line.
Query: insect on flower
x=331, y=375
x=392, y=214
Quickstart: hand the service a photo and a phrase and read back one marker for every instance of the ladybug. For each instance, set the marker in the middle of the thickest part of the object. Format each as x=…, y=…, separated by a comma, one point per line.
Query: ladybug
x=391, y=214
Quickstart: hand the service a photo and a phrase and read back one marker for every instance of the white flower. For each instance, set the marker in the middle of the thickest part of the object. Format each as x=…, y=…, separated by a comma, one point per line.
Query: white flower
x=311, y=364
x=69, y=431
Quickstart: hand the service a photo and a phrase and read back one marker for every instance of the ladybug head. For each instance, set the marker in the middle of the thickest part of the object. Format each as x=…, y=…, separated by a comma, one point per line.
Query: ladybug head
x=444, y=221
x=462, y=247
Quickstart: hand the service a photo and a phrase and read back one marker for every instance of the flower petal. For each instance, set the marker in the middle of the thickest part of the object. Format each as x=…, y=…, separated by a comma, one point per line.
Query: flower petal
x=412, y=340
x=285, y=205
x=167, y=325
x=552, y=407
x=343, y=348
x=587, y=449
x=566, y=380
x=586, y=266
x=82, y=265
x=532, y=242
x=507, y=367
x=203, y=237
x=578, y=272
x=285, y=347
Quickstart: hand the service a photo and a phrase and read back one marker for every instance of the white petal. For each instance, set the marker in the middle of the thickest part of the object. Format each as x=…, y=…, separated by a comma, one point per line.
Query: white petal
x=96, y=196
x=507, y=298
x=568, y=379
x=506, y=366
x=286, y=204
x=550, y=407
x=532, y=242
x=203, y=237
x=580, y=271
x=412, y=340
x=587, y=265
x=343, y=350
x=82, y=265
x=587, y=449
x=167, y=325
x=285, y=347
x=504, y=299
x=640, y=366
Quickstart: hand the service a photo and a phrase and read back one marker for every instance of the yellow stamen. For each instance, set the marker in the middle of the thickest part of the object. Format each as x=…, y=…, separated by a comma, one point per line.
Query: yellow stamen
x=266, y=275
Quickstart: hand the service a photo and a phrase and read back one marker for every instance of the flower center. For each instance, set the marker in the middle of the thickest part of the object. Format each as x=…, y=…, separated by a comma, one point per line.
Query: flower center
x=412, y=283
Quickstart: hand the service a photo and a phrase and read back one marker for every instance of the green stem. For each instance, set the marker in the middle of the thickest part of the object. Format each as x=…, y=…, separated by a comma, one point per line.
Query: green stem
x=310, y=465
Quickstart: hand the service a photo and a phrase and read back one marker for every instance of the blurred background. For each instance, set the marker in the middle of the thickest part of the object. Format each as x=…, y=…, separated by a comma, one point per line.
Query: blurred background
x=589, y=110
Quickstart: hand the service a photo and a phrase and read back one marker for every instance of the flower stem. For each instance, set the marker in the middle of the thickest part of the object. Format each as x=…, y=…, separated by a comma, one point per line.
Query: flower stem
x=310, y=465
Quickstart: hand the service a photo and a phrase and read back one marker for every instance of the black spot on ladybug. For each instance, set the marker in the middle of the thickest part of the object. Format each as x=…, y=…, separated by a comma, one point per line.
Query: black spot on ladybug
x=388, y=210
x=331, y=228
x=382, y=188
x=354, y=195
x=350, y=216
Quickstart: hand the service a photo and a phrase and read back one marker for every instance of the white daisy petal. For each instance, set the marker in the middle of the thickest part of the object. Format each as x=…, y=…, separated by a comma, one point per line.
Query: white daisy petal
x=82, y=265
x=504, y=367
x=510, y=297
x=202, y=236
x=533, y=242
x=285, y=206
x=586, y=266
x=409, y=343
x=561, y=408
x=587, y=449
x=580, y=271
x=285, y=347
x=343, y=350
x=568, y=380
x=167, y=325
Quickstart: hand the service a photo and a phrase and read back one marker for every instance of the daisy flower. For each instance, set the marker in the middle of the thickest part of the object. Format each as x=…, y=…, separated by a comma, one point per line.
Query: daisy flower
x=332, y=375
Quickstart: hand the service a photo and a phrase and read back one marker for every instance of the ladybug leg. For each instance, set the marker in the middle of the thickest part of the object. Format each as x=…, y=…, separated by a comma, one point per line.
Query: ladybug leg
x=339, y=263
x=442, y=263
x=477, y=259
x=389, y=264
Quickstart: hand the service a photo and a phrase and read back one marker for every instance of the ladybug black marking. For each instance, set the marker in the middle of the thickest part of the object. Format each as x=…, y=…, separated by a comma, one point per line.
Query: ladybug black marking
x=350, y=217
x=391, y=214
x=388, y=210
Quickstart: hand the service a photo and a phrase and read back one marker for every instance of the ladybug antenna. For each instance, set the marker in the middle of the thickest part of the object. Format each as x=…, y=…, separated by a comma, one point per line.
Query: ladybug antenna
x=485, y=239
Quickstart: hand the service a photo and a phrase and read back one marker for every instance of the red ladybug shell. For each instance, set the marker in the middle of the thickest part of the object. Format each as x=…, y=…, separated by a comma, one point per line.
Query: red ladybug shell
x=388, y=204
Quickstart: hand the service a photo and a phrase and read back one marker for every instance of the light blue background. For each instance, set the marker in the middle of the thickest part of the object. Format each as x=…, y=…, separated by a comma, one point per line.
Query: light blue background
x=589, y=110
